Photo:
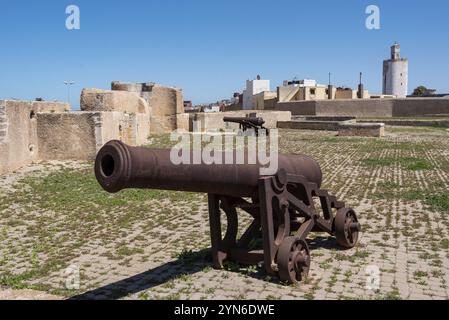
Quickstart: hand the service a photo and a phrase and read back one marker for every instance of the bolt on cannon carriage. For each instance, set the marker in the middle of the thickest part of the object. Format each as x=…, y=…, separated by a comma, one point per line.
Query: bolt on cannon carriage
x=282, y=205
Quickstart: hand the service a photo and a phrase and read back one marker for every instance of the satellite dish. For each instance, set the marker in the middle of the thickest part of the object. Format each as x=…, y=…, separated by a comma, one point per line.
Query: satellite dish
x=258, y=77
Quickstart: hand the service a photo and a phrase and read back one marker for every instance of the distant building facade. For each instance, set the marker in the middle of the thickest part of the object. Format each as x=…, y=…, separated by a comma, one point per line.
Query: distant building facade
x=395, y=74
x=307, y=90
x=188, y=105
x=254, y=87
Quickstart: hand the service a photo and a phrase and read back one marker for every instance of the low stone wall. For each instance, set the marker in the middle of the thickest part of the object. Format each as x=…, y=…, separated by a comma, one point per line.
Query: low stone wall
x=345, y=128
x=310, y=125
x=203, y=122
x=355, y=108
x=303, y=108
x=413, y=123
x=419, y=107
x=376, y=130
x=364, y=108
x=340, y=119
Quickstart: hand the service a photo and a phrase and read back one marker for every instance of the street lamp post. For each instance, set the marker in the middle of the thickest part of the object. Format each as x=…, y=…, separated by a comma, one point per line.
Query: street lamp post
x=68, y=84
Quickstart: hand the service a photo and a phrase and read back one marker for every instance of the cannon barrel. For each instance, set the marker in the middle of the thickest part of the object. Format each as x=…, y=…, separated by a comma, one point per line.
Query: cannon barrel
x=119, y=167
x=253, y=120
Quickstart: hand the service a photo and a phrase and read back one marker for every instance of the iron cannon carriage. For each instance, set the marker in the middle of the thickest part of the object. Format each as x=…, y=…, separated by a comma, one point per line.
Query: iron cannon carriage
x=283, y=207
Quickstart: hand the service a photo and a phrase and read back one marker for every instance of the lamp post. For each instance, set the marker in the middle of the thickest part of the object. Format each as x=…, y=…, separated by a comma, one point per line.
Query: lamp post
x=68, y=84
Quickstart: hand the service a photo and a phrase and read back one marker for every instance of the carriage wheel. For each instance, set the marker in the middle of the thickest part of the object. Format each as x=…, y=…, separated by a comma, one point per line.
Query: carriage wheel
x=347, y=228
x=293, y=260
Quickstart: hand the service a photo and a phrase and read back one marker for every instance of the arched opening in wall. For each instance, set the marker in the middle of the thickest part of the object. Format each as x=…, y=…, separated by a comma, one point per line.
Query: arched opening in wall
x=32, y=115
x=31, y=148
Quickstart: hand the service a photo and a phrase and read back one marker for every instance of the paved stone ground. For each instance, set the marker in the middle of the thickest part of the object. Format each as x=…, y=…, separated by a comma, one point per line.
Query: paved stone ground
x=55, y=221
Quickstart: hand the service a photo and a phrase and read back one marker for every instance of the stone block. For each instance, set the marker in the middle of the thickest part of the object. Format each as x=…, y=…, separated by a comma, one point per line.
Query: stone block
x=106, y=100
x=70, y=136
x=79, y=135
x=362, y=130
x=183, y=121
x=310, y=125
x=50, y=106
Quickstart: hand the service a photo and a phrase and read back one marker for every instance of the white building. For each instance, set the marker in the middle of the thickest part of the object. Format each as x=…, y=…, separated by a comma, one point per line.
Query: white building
x=253, y=87
x=300, y=83
x=395, y=74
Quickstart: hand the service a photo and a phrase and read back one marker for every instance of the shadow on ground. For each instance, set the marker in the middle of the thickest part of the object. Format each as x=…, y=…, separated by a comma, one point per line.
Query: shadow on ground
x=188, y=264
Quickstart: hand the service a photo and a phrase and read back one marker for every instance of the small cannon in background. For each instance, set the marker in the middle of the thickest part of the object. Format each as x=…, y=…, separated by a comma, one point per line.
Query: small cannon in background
x=282, y=205
x=248, y=123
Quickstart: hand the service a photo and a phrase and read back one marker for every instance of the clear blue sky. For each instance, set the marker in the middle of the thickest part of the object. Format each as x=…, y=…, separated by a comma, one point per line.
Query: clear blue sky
x=210, y=47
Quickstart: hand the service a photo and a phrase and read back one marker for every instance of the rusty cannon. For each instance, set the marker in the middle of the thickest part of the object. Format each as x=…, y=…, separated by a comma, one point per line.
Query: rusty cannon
x=248, y=123
x=282, y=206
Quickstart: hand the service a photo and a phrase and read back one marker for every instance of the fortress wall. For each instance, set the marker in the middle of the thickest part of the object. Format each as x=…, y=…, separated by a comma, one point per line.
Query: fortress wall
x=355, y=108
x=410, y=107
x=105, y=100
x=419, y=107
x=79, y=135
x=18, y=135
x=166, y=103
x=306, y=108
x=70, y=136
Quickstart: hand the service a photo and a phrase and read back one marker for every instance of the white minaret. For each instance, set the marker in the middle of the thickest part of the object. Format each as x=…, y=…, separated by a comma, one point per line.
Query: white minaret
x=395, y=75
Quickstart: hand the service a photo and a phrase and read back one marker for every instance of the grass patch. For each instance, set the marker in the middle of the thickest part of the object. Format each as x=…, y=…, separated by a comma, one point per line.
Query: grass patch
x=409, y=163
x=392, y=295
x=378, y=162
x=444, y=244
x=189, y=257
x=380, y=145
x=438, y=202
x=127, y=251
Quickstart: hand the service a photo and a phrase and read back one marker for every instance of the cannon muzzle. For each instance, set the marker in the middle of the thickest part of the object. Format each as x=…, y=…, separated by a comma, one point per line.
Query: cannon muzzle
x=119, y=167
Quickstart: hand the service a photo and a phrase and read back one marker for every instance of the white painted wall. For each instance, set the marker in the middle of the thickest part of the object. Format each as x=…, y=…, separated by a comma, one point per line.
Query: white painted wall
x=395, y=78
x=253, y=87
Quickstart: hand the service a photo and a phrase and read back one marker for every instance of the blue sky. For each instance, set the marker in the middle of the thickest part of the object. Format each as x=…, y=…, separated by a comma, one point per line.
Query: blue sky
x=210, y=47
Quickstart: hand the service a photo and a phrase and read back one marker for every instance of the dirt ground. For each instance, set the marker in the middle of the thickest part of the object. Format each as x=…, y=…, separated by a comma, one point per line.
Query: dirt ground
x=62, y=236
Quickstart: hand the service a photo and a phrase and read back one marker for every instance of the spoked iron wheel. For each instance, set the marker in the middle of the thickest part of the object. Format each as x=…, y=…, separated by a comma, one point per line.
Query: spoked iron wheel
x=293, y=260
x=347, y=228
